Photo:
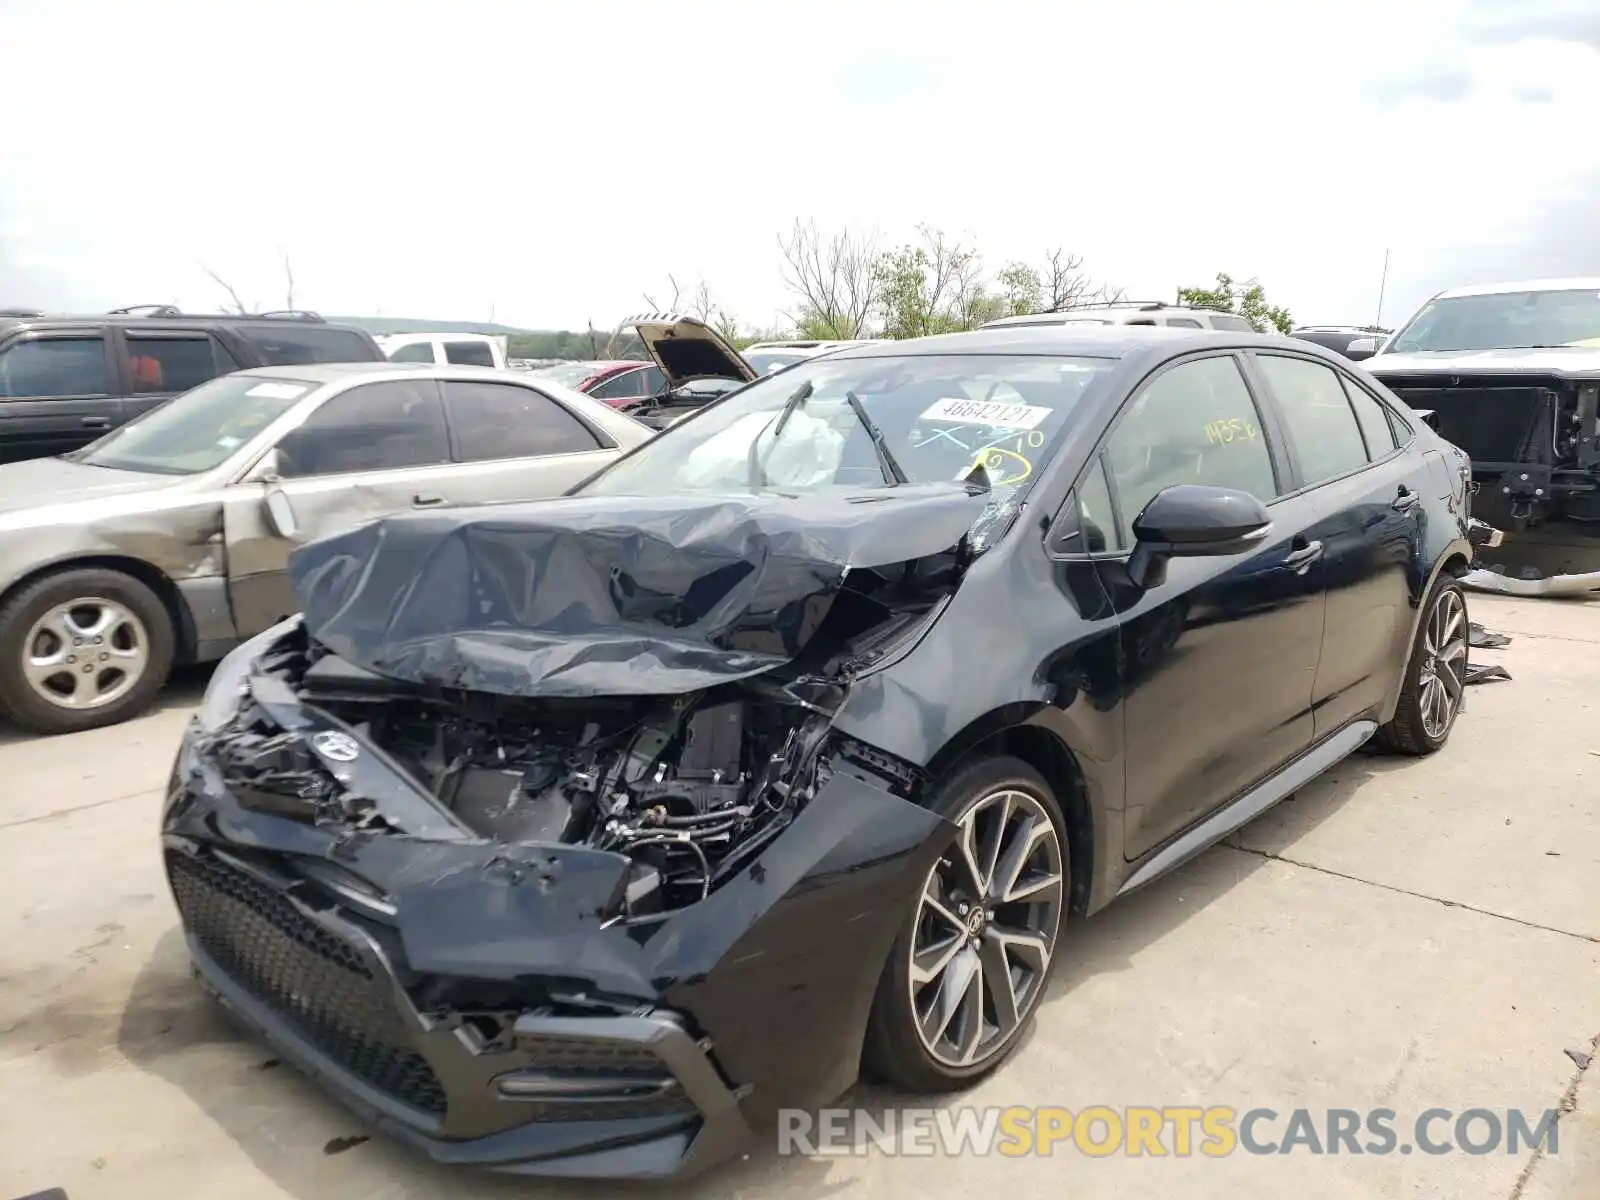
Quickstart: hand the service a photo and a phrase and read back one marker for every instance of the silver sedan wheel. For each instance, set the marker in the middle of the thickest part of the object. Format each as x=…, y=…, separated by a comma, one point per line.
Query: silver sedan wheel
x=85, y=653
x=986, y=929
x=1443, y=677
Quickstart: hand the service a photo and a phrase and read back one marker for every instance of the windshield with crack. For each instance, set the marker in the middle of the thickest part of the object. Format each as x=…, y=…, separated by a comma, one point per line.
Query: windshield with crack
x=199, y=430
x=1503, y=321
x=939, y=416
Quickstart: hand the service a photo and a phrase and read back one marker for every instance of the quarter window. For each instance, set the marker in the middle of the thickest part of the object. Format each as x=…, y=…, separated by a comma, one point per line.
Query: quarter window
x=620, y=387
x=506, y=420
x=1316, y=415
x=48, y=368
x=1096, y=519
x=1195, y=423
x=375, y=427
x=1374, y=419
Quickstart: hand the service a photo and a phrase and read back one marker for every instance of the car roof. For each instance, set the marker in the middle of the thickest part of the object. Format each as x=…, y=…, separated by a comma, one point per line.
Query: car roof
x=1588, y=283
x=1072, y=340
x=326, y=373
x=182, y=321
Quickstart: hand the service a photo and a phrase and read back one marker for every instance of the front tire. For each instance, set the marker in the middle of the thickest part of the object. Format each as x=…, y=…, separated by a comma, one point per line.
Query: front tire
x=970, y=965
x=1436, y=675
x=82, y=649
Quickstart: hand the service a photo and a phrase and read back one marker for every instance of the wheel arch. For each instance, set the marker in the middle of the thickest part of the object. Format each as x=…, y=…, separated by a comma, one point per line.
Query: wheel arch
x=1012, y=731
x=151, y=576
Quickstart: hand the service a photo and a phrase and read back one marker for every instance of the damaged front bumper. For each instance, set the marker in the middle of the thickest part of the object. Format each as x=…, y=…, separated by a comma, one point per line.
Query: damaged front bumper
x=475, y=999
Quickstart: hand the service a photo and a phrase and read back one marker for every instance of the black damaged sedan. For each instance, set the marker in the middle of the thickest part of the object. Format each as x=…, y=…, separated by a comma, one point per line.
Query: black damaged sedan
x=577, y=837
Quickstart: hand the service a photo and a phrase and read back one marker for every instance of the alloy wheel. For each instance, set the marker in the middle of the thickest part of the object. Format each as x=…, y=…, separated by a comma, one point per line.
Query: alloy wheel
x=1443, y=678
x=986, y=929
x=85, y=654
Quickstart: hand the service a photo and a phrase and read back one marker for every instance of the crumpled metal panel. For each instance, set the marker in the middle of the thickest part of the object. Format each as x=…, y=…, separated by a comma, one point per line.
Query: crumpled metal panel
x=609, y=595
x=1551, y=585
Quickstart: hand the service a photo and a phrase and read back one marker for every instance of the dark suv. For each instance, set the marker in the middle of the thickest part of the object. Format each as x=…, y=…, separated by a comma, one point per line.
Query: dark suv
x=67, y=380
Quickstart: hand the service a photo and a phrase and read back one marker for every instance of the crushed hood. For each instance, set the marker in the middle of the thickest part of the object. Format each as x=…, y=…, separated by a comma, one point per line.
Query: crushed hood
x=609, y=595
x=1559, y=360
x=686, y=348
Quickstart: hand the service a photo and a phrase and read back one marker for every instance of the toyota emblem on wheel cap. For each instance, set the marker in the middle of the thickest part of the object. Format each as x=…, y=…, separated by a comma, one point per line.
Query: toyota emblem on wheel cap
x=340, y=747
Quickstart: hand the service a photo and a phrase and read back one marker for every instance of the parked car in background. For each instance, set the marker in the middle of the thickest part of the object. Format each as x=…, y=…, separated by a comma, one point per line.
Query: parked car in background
x=1131, y=312
x=66, y=380
x=167, y=540
x=616, y=381
x=766, y=357
x=697, y=366
x=1355, y=342
x=1511, y=374
x=827, y=711
x=461, y=349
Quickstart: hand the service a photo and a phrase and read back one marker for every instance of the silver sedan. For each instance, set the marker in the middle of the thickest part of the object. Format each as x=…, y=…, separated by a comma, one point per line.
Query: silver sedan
x=168, y=540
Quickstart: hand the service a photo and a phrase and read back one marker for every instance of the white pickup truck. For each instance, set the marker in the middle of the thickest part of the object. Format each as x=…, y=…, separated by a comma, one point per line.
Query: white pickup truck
x=458, y=349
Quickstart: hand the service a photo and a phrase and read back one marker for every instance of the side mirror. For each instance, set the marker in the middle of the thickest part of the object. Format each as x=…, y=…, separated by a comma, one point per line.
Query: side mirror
x=280, y=513
x=1361, y=348
x=1191, y=520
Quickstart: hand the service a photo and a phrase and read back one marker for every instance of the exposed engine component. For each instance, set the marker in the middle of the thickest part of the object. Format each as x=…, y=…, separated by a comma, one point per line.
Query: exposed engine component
x=688, y=787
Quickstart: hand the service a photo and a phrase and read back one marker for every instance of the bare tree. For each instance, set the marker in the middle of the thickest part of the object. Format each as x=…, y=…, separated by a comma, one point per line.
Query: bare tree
x=1068, y=285
x=238, y=304
x=670, y=306
x=833, y=278
x=288, y=274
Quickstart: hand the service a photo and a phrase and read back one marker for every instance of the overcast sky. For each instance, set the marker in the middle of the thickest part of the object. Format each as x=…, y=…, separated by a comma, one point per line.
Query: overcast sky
x=549, y=163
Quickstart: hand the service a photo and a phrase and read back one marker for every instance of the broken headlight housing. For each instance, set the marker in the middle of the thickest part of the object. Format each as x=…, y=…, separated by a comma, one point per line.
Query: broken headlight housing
x=230, y=681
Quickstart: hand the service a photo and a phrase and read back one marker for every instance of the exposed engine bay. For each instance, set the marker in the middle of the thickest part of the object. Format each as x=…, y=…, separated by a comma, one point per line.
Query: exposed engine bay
x=1534, y=439
x=689, y=787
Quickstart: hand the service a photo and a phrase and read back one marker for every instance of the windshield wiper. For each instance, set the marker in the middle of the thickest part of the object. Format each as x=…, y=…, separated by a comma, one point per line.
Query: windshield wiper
x=758, y=471
x=891, y=469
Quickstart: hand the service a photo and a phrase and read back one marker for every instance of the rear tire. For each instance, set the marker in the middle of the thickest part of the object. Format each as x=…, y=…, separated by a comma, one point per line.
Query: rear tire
x=82, y=649
x=1436, y=676
x=968, y=969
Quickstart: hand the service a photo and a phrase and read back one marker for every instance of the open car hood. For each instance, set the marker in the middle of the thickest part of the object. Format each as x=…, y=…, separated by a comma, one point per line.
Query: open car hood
x=612, y=595
x=686, y=348
x=1576, y=359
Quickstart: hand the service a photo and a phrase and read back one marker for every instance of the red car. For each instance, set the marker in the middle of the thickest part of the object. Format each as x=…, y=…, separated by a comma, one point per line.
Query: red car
x=615, y=381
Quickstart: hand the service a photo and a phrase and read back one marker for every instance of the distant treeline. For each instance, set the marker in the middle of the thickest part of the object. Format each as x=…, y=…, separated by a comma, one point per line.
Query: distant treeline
x=567, y=343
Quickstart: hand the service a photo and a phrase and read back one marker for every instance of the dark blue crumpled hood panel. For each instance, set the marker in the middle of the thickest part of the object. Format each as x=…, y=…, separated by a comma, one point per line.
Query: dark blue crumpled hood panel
x=608, y=595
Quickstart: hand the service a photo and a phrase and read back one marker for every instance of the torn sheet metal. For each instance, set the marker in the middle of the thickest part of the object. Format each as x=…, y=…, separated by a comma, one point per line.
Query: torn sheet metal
x=1480, y=638
x=1482, y=580
x=609, y=595
x=1485, y=674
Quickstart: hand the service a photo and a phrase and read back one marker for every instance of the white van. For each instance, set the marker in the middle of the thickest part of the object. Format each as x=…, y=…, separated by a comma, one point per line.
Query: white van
x=460, y=349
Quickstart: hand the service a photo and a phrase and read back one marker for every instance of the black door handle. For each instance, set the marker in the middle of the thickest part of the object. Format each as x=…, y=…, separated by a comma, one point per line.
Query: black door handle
x=1299, y=559
x=426, y=501
x=97, y=422
x=1405, y=499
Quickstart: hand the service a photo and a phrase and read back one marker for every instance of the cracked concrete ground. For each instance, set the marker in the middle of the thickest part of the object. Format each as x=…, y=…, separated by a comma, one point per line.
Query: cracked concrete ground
x=1401, y=934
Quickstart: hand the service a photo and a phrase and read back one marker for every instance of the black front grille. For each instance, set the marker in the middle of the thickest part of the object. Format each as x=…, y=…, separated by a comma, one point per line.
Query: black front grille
x=314, y=981
x=588, y=1058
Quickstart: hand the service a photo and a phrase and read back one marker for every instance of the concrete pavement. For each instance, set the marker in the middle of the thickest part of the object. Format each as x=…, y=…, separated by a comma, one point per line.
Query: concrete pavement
x=1401, y=934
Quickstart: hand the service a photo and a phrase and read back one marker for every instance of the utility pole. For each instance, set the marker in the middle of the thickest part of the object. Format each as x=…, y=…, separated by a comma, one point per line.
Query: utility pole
x=1383, y=284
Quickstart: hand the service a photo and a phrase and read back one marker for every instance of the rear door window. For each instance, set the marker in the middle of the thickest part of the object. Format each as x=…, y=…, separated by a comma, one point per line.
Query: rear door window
x=1316, y=416
x=375, y=427
x=505, y=420
x=623, y=386
x=173, y=364
x=415, y=352
x=54, y=368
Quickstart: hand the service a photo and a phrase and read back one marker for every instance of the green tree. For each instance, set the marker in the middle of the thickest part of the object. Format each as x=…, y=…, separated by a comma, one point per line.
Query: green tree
x=933, y=286
x=1248, y=300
